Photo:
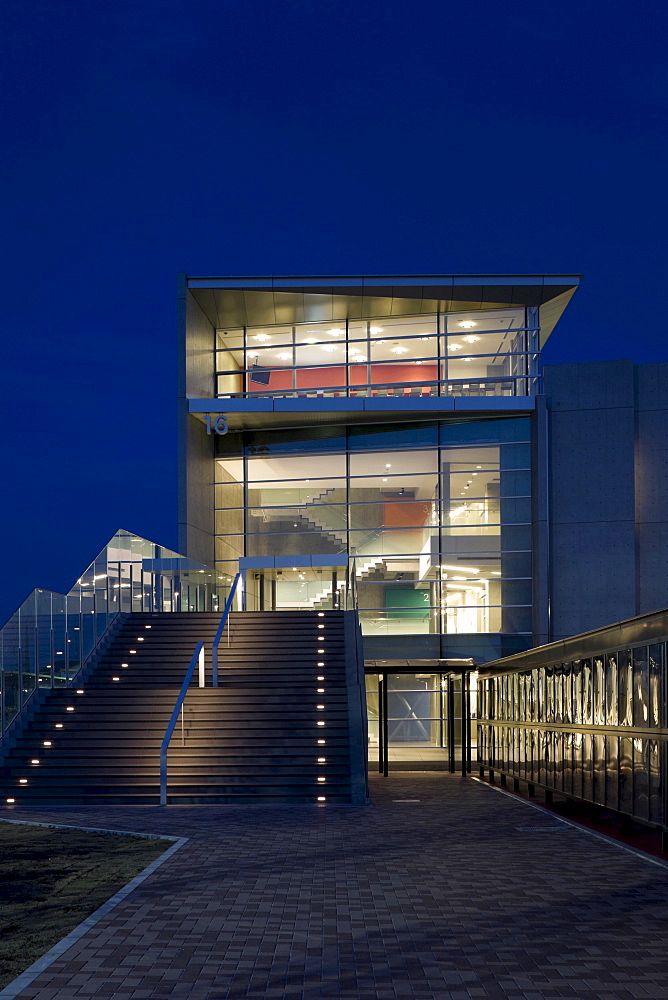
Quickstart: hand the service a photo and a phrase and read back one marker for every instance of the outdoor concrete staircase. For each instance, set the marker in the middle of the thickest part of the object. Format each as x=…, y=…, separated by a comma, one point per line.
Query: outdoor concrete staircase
x=277, y=729
x=253, y=739
x=106, y=749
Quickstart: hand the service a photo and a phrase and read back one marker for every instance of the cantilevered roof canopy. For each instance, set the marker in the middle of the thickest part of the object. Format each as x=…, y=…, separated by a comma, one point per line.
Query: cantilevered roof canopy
x=258, y=301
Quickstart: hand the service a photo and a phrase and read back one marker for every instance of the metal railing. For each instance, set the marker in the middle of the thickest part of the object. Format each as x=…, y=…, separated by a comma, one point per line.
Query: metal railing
x=221, y=628
x=351, y=586
x=498, y=385
x=197, y=659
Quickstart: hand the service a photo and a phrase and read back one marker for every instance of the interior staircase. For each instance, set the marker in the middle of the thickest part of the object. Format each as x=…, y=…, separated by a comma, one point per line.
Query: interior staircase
x=271, y=732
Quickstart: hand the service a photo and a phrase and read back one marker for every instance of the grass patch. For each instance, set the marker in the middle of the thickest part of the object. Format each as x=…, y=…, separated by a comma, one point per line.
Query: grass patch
x=52, y=879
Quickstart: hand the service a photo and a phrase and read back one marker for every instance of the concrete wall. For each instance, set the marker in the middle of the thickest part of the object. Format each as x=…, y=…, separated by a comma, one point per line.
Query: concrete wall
x=195, y=447
x=607, y=495
x=651, y=471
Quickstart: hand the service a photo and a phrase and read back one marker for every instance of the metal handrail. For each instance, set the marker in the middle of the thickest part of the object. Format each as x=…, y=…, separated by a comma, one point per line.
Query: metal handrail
x=369, y=537
x=221, y=629
x=430, y=383
x=351, y=586
x=197, y=658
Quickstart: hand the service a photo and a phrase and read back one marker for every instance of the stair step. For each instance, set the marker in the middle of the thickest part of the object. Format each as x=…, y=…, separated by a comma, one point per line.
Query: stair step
x=254, y=739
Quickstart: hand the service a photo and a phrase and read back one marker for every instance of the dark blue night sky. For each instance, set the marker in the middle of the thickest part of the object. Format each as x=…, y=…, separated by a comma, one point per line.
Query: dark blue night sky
x=246, y=136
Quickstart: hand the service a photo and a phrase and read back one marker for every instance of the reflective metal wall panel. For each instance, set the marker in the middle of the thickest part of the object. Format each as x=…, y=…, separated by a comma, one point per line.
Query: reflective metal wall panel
x=591, y=727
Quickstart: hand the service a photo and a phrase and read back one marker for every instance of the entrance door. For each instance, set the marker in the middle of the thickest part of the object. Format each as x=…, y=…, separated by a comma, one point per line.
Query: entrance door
x=423, y=715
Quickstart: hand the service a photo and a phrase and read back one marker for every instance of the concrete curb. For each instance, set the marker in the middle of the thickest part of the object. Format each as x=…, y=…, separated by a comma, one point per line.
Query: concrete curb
x=16, y=987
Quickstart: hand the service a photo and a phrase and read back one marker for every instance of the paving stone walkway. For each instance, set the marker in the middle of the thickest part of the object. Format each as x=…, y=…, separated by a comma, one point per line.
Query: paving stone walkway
x=465, y=894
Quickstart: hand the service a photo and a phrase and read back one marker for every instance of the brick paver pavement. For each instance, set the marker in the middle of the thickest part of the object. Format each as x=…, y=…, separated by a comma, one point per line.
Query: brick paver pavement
x=464, y=894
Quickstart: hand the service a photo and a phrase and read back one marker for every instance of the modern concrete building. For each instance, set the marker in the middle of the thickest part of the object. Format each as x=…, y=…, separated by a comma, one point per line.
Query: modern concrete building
x=393, y=427
x=403, y=423
x=388, y=446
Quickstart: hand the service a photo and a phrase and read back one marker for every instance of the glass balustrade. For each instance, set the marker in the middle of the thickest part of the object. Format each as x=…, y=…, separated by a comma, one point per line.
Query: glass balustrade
x=50, y=636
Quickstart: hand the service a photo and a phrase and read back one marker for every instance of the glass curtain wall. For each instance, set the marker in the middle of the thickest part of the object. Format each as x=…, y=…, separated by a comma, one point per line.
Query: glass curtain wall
x=47, y=640
x=474, y=353
x=437, y=518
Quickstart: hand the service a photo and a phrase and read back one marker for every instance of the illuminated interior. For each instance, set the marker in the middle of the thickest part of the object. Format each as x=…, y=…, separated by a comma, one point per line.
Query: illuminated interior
x=435, y=516
x=482, y=352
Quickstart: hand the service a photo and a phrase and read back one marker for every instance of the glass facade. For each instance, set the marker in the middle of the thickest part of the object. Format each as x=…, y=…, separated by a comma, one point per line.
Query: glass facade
x=48, y=639
x=435, y=515
x=493, y=352
x=417, y=714
x=591, y=727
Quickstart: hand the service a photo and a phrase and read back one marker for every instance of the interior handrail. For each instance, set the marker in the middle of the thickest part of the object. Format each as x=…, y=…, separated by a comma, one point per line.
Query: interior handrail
x=351, y=585
x=356, y=389
x=221, y=629
x=197, y=657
